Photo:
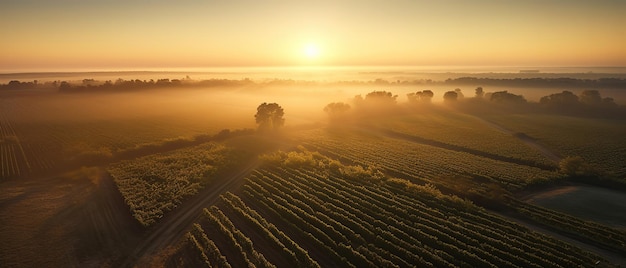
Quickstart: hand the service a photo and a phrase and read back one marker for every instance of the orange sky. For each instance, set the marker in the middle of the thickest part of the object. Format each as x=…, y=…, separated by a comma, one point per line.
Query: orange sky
x=109, y=35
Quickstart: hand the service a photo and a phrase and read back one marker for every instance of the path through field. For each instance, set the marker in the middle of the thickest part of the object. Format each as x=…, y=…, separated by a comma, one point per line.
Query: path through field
x=171, y=228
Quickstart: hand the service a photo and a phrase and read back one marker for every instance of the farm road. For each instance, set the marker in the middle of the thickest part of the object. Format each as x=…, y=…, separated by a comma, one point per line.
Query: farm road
x=175, y=224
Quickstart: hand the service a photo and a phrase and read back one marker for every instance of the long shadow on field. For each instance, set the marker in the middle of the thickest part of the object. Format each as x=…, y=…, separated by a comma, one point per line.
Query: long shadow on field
x=397, y=135
x=70, y=220
x=101, y=225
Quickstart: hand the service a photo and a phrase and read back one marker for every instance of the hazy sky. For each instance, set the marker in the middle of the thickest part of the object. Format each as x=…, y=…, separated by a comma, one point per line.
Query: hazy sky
x=162, y=34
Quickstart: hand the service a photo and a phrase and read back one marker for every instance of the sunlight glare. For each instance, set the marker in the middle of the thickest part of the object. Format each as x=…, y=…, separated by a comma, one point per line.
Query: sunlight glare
x=311, y=51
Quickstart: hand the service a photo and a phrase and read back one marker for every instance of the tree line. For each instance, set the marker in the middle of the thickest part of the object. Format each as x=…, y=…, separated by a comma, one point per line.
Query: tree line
x=92, y=85
x=589, y=102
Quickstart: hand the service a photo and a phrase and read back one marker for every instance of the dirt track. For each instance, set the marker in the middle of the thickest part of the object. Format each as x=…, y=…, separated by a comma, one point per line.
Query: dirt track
x=171, y=228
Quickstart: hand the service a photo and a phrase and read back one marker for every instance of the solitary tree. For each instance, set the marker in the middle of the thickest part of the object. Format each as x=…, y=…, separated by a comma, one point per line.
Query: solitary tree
x=269, y=116
x=427, y=95
x=479, y=92
x=450, y=96
x=575, y=166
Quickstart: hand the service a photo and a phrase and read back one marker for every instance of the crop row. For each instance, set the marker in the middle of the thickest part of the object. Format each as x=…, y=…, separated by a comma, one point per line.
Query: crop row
x=466, y=131
x=384, y=223
x=13, y=159
x=598, y=233
x=208, y=252
x=297, y=255
x=422, y=161
x=599, y=142
x=356, y=222
x=404, y=218
x=238, y=244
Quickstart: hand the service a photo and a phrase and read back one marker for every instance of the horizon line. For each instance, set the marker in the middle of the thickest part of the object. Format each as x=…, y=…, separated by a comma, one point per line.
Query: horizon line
x=221, y=69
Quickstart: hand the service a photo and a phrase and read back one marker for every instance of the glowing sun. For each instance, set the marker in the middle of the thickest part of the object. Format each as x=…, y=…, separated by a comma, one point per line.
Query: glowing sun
x=311, y=51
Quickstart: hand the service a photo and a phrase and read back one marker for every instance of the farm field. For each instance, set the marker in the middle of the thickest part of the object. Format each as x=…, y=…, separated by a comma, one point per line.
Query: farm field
x=242, y=134
x=598, y=141
x=466, y=131
x=163, y=183
x=355, y=222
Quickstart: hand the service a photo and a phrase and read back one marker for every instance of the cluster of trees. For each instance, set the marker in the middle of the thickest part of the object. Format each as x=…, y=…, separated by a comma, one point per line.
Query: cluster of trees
x=18, y=85
x=587, y=97
x=90, y=85
x=541, y=82
x=588, y=103
x=420, y=96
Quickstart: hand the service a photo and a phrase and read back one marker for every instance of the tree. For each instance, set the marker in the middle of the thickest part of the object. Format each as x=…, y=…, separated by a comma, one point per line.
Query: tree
x=335, y=108
x=450, y=96
x=424, y=96
x=575, y=166
x=591, y=97
x=506, y=97
x=563, y=99
x=427, y=95
x=479, y=92
x=459, y=94
x=269, y=116
x=374, y=103
x=381, y=97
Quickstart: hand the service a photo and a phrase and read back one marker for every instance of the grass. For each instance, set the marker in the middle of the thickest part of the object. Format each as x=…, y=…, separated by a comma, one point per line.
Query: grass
x=591, y=203
x=600, y=142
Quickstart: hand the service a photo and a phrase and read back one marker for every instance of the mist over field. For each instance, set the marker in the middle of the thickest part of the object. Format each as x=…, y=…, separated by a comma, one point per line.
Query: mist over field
x=147, y=152
x=367, y=133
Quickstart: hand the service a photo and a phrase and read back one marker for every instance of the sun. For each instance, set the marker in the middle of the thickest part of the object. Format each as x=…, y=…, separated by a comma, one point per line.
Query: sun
x=311, y=51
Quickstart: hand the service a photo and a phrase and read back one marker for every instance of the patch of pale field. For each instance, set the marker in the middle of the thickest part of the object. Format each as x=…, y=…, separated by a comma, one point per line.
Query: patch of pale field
x=597, y=204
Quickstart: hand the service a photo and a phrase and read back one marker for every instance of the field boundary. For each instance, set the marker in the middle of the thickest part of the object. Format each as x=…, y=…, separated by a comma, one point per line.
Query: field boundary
x=174, y=225
x=416, y=139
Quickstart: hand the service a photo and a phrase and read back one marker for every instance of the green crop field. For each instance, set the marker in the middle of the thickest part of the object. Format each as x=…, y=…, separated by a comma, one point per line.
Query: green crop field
x=182, y=180
x=326, y=214
x=243, y=134
x=463, y=130
x=599, y=141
